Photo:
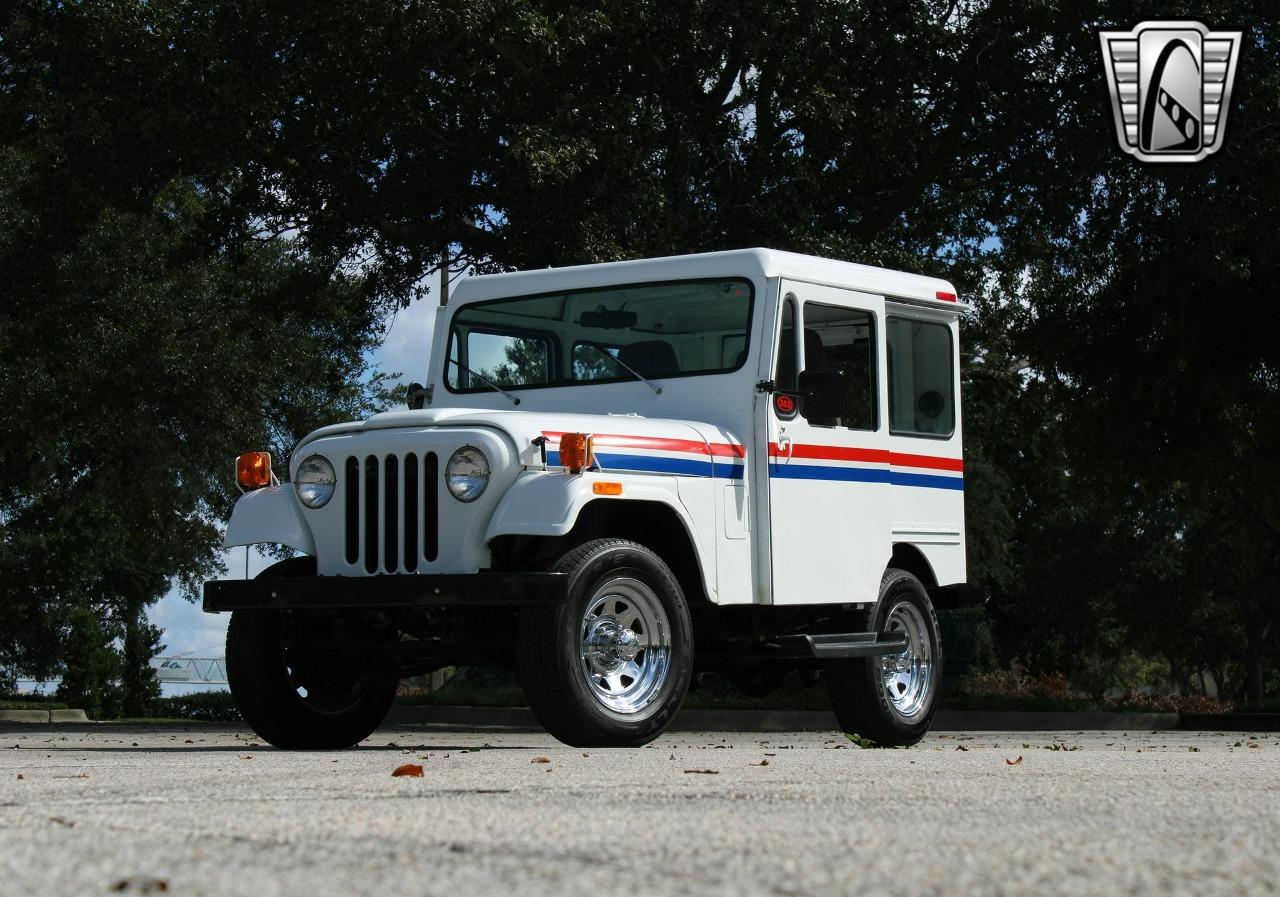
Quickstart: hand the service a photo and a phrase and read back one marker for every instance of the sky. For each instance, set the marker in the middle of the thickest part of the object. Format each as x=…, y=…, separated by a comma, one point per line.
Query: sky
x=189, y=631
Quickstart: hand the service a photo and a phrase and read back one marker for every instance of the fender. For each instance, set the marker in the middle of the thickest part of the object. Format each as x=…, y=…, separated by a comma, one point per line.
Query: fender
x=269, y=515
x=547, y=503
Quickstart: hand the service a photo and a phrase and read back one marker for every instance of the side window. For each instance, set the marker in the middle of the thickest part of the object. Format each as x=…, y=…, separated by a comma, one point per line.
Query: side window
x=502, y=359
x=842, y=341
x=785, y=368
x=921, y=378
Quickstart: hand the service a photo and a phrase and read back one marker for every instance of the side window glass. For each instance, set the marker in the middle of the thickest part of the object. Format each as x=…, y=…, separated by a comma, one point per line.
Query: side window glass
x=502, y=359
x=785, y=369
x=841, y=342
x=921, y=378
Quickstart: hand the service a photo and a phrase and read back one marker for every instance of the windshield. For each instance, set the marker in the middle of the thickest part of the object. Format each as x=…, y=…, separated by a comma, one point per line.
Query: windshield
x=648, y=331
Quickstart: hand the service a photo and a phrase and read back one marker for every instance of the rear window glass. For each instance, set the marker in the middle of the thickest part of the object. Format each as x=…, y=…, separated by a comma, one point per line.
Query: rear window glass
x=921, y=378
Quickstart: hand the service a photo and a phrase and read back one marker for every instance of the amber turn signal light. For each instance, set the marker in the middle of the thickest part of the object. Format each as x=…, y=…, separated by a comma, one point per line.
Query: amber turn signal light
x=575, y=452
x=253, y=470
x=603, y=488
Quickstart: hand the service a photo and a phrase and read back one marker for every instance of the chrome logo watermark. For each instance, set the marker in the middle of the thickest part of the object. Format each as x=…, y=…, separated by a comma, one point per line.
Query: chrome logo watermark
x=1170, y=88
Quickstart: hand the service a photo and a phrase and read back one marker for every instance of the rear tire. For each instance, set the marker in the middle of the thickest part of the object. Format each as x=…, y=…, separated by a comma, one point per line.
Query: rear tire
x=891, y=700
x=300, y=703
x=611, y=666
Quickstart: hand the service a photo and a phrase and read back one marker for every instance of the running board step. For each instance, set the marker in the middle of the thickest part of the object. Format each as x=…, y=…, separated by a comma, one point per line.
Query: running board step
x=837, y=646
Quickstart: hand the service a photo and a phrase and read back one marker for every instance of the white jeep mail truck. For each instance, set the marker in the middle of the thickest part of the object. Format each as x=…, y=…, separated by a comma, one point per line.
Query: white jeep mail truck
x=615, y=476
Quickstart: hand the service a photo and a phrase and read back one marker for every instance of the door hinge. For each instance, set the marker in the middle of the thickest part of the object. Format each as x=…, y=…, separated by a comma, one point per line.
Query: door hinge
x=767, y=386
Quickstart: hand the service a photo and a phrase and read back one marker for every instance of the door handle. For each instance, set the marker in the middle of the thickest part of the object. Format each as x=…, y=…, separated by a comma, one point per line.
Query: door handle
x=784, y=447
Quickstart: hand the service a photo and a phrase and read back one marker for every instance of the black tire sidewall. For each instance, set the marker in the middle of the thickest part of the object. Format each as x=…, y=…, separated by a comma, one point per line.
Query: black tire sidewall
x=578, y=716
x=268, y=703
x=857, y=689
x=901, y=586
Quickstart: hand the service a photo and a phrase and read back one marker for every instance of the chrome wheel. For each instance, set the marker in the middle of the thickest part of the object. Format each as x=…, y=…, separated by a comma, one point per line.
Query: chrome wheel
x=908, y=677
x=625, y=645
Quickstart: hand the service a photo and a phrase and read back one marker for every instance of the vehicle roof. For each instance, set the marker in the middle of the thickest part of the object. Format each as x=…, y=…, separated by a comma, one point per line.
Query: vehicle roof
x=735, y=262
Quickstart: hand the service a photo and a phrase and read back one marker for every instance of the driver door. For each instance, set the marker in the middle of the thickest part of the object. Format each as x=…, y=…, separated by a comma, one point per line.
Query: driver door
x=828, y=462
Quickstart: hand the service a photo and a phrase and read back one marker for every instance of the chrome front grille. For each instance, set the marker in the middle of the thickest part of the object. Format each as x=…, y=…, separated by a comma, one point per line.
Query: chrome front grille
x=392, y=511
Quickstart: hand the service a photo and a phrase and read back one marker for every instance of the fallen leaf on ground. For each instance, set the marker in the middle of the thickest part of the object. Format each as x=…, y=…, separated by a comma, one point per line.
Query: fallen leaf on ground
x=540, y=760
x=705, y=772
x=1254, y=744
x=21, y=776
x=1013, y=762
x=961, y=747
x=246, y=756
x=142, y=885
x=69, y=823
x=408, y=769
x=764, y=762
x=187, y=741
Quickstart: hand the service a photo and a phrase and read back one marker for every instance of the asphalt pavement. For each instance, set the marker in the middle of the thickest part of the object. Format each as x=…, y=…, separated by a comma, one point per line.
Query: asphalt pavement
x=209, y=811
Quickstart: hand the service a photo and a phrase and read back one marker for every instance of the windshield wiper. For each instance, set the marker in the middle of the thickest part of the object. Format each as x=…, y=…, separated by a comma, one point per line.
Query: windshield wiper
x=603, y=350
x=489, y=383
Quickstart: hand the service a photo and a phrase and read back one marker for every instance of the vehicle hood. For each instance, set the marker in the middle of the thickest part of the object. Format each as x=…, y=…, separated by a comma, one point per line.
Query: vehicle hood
x=522, y=427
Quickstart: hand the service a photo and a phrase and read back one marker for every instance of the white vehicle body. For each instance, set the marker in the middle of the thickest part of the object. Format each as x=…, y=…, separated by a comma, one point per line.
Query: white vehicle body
x=778, y=511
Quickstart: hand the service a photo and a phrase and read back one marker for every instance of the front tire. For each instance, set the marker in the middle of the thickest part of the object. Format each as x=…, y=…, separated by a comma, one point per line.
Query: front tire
x=611, y=666
x=891, y=700
x=297, y=702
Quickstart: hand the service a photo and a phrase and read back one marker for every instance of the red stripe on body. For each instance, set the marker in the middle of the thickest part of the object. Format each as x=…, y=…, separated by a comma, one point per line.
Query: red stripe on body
x=866, y=456
x=658, y=443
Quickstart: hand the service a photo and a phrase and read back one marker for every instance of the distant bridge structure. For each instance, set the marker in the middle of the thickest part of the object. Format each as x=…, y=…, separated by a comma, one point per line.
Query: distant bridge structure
x=192, y=670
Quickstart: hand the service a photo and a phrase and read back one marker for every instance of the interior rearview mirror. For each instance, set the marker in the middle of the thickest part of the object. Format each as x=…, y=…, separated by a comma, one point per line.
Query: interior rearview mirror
x=607, y=319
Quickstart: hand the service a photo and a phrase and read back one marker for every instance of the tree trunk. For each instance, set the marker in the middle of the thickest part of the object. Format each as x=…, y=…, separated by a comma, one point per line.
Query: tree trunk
x=1253, y=678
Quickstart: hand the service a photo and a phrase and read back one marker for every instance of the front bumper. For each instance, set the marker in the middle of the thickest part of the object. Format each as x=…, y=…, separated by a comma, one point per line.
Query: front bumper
x=387, y=591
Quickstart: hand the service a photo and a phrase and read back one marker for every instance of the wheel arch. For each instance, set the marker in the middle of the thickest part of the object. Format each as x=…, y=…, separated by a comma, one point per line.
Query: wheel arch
x=653, y=524
x=910, y=558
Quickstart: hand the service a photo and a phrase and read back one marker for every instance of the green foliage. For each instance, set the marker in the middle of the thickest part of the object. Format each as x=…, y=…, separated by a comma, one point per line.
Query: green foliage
x=138, y=684
x=205, y=706
x=91, y=679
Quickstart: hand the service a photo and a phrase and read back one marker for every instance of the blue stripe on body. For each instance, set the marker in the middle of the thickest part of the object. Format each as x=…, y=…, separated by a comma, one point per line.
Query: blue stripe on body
x=863, y=475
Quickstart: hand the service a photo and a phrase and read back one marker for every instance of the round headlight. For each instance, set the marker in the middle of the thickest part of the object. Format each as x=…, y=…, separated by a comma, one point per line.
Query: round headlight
x=314, y=481
x=467, y=473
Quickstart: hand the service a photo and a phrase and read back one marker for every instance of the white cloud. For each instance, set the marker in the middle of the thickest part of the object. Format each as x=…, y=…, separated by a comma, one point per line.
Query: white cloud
x=187, y=628
x=407, y=343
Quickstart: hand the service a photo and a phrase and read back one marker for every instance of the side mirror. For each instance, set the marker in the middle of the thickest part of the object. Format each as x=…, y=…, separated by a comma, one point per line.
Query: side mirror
x=825, y=393
x=416, y=396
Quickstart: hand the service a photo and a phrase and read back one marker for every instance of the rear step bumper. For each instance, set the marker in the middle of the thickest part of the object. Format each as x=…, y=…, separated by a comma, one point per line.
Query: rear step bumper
x=836, y=646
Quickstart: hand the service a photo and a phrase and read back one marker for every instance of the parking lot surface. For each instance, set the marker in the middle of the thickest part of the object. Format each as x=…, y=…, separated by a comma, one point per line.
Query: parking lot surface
x=208, y=810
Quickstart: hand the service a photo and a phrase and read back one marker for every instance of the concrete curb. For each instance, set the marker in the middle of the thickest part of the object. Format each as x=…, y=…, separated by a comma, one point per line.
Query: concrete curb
x=68, y=716
x=797, y=720
x=43, y=716
x=24, y=716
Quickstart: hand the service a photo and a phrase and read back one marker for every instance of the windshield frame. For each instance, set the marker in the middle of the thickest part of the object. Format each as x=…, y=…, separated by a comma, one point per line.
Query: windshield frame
x=559, y=350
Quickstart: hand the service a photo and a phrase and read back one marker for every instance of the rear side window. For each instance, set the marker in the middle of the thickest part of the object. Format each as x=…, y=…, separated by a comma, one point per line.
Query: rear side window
x=921, y=378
